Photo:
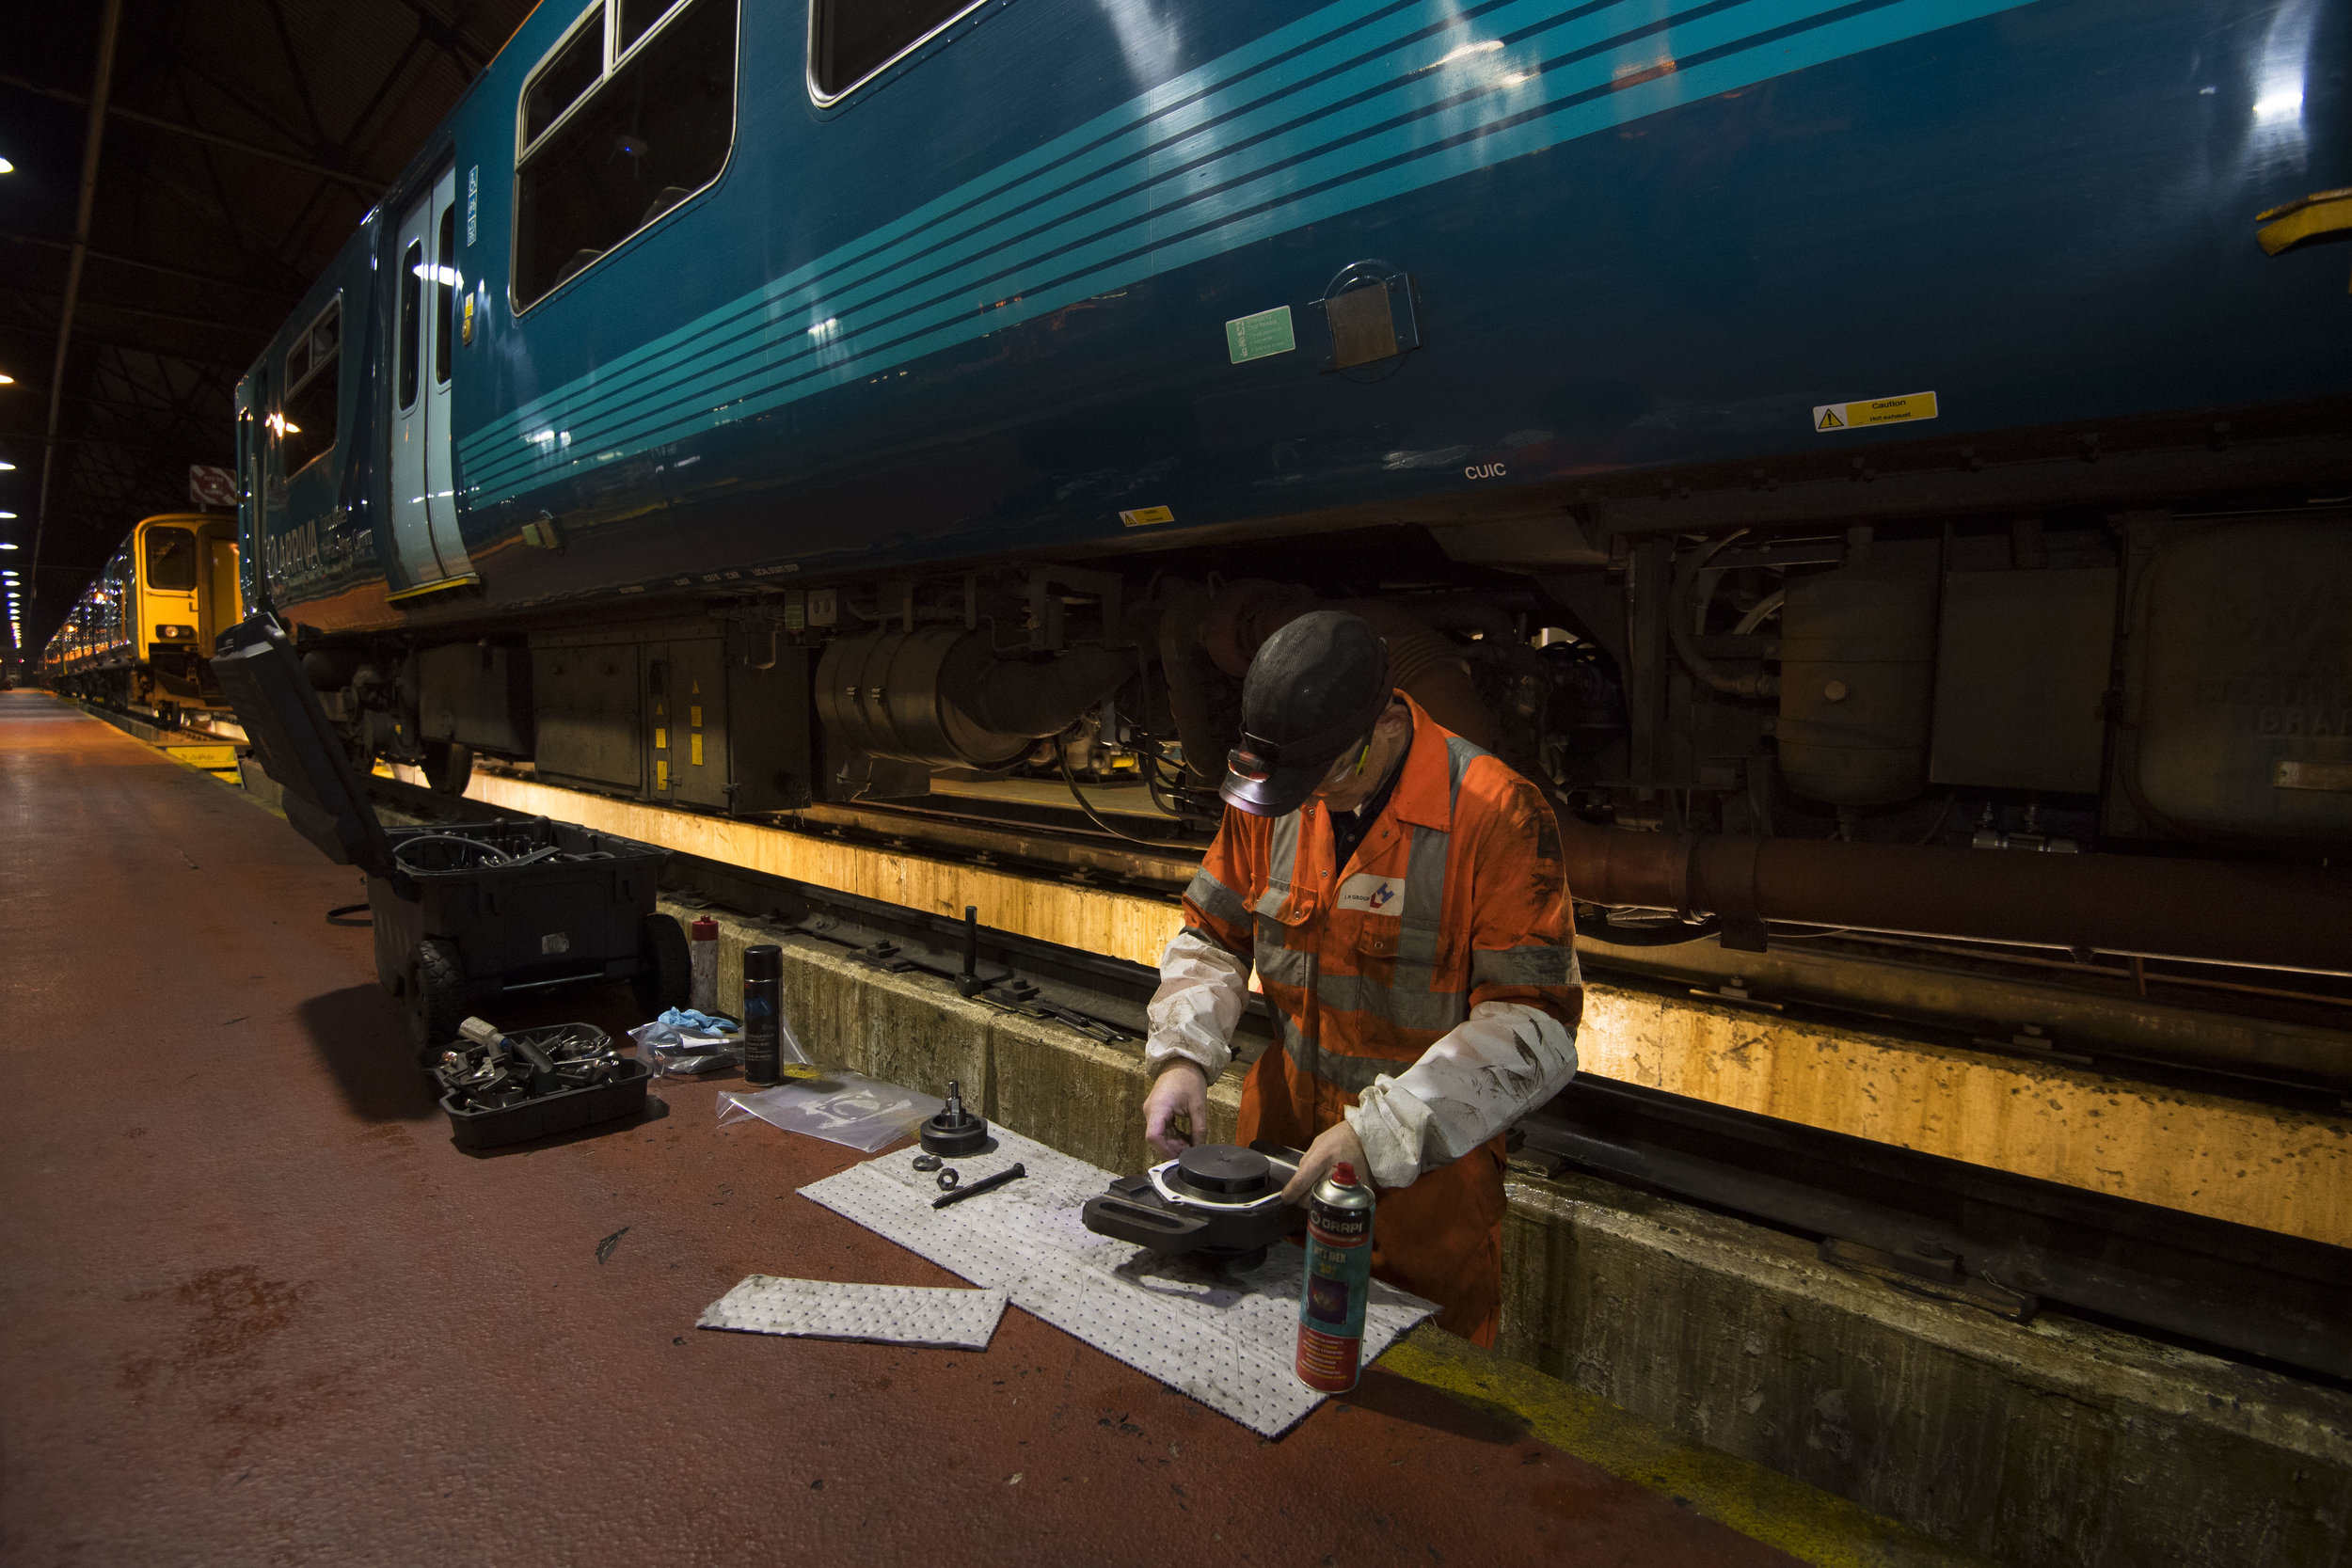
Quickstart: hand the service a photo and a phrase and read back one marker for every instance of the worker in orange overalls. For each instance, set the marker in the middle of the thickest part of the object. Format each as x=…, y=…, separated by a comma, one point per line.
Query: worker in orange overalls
x=1401, y=895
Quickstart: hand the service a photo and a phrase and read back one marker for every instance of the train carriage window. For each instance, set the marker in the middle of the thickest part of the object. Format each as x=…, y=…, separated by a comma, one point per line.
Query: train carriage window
x=564, y=80
x=411, y=319
x=654, y=130
x=850, y=40
x=446, y=288
x=171, y=560
x=307, y=421
x=632, y=20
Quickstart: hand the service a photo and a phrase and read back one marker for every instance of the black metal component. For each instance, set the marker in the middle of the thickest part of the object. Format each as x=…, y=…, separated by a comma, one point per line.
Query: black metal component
x=955, y=1130
x=2230, y=1288
x=948, y=1177
x=969, y=981
x=927, y=1162
x=985, y=1185
x=1223, y=1172
x=1218, y=1209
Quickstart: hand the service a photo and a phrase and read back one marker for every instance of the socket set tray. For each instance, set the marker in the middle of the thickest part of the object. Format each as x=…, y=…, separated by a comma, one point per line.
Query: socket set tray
x=537, y=1082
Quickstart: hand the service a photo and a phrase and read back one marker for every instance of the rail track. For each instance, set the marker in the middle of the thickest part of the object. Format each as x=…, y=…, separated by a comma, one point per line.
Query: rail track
x=1943, y=1227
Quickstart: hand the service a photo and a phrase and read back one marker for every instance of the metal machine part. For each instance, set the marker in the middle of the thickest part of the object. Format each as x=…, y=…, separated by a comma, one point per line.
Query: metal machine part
x=955, y=1130
x=948, y=1177
x=2237, y=688
x=941, y=696
x=1220, y=1201
x=1857, y=679
x=927, y=1162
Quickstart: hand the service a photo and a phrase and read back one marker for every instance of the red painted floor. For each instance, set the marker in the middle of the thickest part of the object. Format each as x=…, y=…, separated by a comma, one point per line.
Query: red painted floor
x=259, y=1309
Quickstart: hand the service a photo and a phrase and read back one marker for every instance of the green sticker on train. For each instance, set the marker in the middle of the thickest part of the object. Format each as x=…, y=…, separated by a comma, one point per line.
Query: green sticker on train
x=1256, y=337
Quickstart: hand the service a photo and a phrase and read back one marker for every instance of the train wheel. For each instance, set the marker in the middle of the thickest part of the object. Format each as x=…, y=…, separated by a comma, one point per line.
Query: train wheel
x=665, y=967
x=448, y=765
x=436, y=1000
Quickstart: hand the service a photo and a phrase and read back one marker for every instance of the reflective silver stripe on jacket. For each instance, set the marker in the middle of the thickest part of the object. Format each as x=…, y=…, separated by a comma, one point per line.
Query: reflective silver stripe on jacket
x=1279, y=965
x=1537, y=964
x=1282, y=862
x=1216, y=899
x=1421, y=931
x=1402, y=1005
x=1353, y=1074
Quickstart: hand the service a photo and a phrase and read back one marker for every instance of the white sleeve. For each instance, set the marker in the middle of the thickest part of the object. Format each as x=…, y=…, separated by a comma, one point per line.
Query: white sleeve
x=1505, y=1060
x=1203, y=988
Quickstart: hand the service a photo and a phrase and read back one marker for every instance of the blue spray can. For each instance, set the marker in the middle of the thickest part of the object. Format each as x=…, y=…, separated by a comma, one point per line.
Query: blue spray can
x=1338, y=1282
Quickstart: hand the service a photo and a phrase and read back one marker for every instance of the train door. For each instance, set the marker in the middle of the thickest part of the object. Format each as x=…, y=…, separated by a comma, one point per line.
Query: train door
x=226, y=604
x=424, y=502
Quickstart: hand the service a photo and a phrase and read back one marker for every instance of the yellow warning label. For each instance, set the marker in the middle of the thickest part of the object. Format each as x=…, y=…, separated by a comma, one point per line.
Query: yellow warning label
x=694, y=749
x=694, y=716
x=662, y=774
x=1856, y=416
x=660, y=738
x=1145, y=516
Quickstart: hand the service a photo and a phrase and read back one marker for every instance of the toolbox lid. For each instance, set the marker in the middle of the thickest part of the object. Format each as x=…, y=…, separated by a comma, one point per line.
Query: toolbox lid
x=261, y=675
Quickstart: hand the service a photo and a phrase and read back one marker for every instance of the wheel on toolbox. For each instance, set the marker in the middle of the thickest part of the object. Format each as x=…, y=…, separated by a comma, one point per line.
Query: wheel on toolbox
x=665, y=967
x=447, y=767
x=437, y=999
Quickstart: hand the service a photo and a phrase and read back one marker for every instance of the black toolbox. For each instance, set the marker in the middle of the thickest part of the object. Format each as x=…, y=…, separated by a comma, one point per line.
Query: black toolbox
x=487, y=1120
x=468, y=913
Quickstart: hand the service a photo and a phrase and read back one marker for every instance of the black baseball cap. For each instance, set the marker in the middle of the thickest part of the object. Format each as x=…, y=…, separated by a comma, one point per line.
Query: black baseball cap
x=1315, y=689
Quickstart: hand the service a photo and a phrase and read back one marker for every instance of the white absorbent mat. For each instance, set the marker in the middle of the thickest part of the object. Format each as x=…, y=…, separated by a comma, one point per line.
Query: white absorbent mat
x=890, y=1314
x=1229, y=1341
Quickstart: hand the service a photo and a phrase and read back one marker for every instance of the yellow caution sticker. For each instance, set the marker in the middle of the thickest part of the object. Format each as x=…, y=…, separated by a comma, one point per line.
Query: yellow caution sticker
x=694, y=716
x=694, y=749
x=660, y=738
x=1145, y=516
x=1858, y=416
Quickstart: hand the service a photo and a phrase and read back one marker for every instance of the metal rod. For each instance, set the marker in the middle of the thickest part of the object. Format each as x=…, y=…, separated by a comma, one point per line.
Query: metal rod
x=102, y=84
x=985, y=1185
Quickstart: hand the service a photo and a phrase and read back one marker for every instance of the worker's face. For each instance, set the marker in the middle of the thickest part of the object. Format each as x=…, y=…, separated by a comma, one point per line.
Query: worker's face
x=1357, y=771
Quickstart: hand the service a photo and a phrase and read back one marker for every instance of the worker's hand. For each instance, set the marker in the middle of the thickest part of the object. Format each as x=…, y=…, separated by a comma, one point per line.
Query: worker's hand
x=1337, y=1144
x=1180, y=1093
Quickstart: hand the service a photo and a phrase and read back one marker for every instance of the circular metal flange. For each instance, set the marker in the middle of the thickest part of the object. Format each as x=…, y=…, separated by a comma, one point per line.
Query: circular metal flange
x=953, y=1139
x=1168, y=1180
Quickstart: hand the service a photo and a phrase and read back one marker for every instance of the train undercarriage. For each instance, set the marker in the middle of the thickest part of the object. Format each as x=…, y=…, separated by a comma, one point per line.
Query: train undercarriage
x=2091, y=742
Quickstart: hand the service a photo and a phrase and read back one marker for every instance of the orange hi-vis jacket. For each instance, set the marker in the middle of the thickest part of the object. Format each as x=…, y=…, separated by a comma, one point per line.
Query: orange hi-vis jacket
x=1455, y=897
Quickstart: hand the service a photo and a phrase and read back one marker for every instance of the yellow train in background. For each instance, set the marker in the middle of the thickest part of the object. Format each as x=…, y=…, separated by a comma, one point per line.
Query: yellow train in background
x=140, y=636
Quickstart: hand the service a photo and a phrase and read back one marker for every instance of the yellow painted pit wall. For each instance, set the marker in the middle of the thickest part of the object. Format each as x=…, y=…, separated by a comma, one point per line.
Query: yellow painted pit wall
x=2280, y=1170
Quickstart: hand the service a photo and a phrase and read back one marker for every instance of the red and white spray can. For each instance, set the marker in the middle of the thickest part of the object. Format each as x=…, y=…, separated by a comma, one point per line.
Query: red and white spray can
x=1338, y=1282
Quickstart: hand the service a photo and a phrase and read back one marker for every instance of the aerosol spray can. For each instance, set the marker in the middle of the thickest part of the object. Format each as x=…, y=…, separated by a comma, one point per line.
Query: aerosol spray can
x=701, y=951
x=1338, y=1283
x=763, y=985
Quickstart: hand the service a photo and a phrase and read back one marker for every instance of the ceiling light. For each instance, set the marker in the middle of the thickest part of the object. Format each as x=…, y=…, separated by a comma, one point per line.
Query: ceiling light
x=7, y=168
x=6, y=547
x=5, y=467
x=6, y=380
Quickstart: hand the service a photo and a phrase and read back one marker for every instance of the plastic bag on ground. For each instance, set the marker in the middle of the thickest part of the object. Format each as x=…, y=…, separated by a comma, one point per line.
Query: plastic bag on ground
x=681, y=1051
x=840, y=1107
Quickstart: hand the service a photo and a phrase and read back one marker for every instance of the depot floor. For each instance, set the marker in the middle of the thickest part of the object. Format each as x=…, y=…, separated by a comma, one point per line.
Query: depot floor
x=260, y=1309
